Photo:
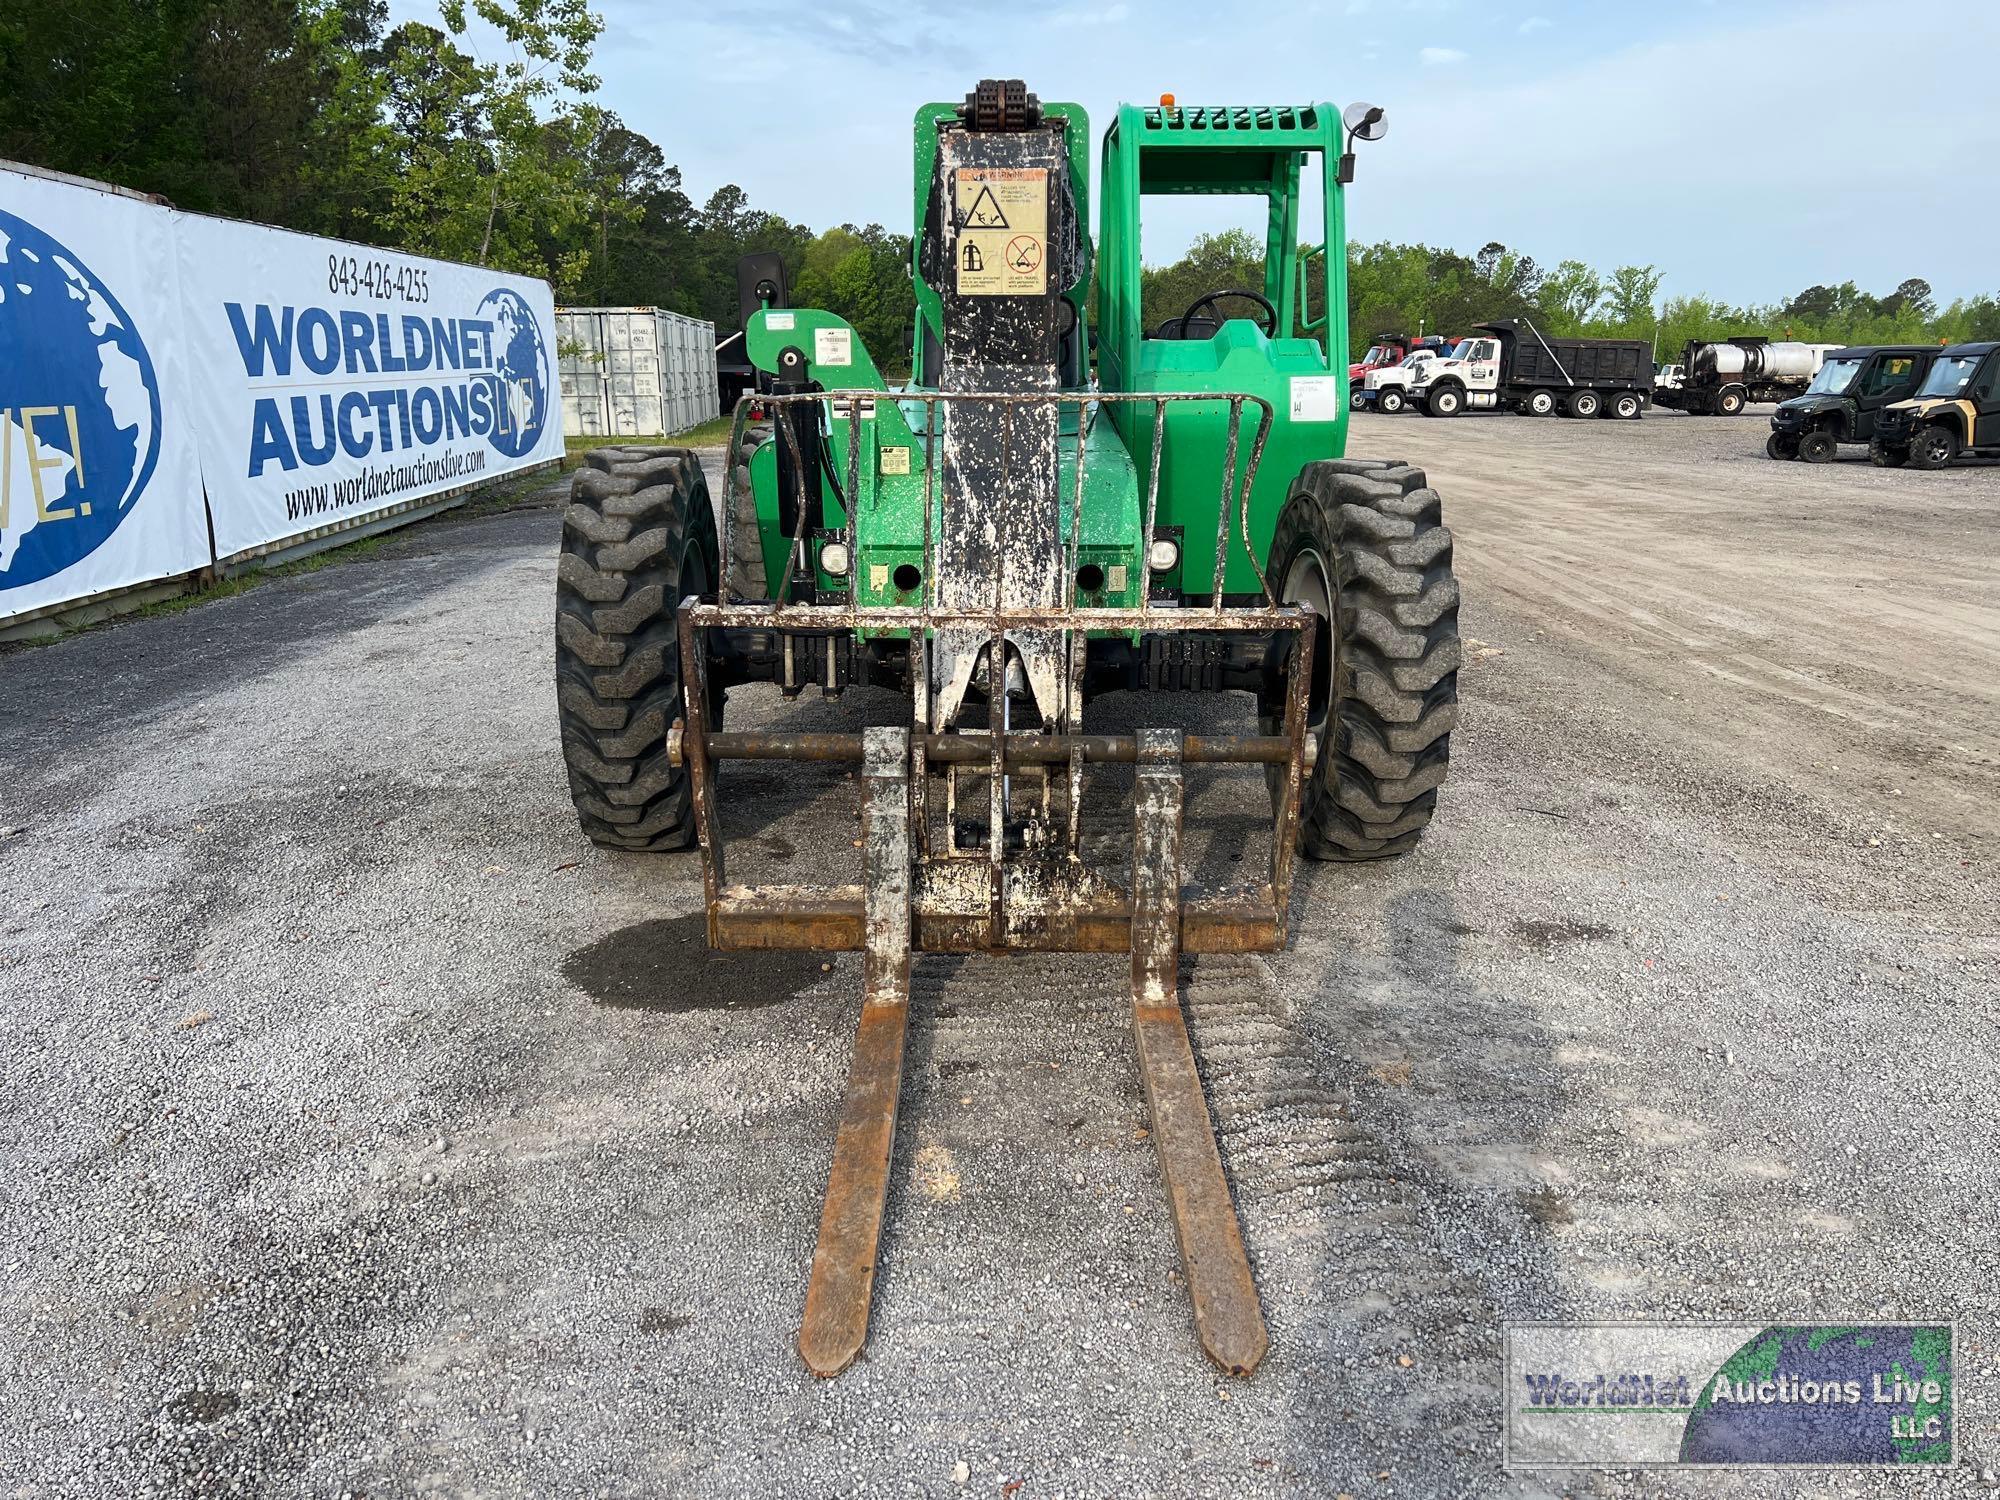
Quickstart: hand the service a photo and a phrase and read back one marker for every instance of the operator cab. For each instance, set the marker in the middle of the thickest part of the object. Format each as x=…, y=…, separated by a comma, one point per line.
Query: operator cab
x=1293, y=159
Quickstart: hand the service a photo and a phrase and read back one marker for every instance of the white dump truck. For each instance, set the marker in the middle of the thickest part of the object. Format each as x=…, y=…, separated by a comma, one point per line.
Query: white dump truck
x=1387, y=387
x=1510, y=365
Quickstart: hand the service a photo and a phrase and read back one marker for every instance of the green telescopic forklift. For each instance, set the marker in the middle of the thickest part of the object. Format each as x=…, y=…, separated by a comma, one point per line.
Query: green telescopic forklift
x=1043, y=515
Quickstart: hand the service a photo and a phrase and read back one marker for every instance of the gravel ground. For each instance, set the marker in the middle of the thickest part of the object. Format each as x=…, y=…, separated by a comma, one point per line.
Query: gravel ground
x=370, y=1134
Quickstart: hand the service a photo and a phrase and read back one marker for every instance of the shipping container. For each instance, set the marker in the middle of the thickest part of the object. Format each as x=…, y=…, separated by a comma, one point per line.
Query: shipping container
x=635, y=371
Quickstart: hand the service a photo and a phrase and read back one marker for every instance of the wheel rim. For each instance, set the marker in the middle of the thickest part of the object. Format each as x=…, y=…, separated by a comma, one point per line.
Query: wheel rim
x=1308, y=582
x=1447, y=401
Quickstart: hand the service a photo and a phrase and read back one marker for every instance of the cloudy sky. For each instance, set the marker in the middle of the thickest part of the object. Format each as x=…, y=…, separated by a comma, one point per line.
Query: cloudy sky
x=1746, y=150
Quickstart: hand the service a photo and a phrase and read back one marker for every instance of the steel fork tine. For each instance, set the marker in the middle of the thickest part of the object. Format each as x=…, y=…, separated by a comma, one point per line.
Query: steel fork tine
x=1227, y=1318
x=857, y=1188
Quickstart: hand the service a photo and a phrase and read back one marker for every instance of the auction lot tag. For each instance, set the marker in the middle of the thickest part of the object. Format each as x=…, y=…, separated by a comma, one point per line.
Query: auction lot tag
x=1002, y=215
x=1315, y=398
x=1729, y=1395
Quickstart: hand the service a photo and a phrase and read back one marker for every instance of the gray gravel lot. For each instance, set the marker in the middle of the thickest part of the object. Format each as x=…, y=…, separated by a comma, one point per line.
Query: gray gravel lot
x=370, y=1134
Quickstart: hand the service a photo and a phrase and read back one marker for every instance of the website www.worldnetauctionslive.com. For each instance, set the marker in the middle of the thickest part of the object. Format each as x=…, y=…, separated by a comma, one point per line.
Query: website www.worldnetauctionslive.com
x=374, y=485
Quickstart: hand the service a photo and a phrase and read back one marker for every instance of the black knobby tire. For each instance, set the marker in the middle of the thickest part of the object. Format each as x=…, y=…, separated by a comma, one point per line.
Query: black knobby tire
x=746, y=544
x=1781, y=445
x=1819, y=447
x=1385, y=690
x=1933, y=447
x=638, y=536
x=1884, y=456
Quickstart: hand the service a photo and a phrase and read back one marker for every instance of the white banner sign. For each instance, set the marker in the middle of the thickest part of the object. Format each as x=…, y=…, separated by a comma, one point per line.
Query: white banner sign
x=151, y=360
x=339, y=380
x=100, y=486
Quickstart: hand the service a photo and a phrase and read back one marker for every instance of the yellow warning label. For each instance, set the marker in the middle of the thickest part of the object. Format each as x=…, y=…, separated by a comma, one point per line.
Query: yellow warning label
x=1003, y=231
x=895, y=460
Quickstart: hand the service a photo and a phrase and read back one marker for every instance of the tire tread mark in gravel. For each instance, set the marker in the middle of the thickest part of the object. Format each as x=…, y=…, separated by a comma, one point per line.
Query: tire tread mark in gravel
x=1305, y=1170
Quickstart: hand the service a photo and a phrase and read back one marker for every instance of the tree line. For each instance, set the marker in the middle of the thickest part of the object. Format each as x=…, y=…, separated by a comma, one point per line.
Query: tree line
x=1392, y=287
x=319, y=115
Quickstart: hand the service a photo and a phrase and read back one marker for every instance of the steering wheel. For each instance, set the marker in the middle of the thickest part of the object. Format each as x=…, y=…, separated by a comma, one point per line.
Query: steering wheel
x=1270, y=318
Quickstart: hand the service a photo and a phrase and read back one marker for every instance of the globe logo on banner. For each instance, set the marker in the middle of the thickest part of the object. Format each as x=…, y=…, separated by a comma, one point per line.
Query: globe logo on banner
x=521, y=373
x=79, y=408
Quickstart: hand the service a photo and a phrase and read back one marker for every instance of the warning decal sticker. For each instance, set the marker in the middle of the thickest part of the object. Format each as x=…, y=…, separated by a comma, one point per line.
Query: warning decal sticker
x=1003, y=231
x=833, y=346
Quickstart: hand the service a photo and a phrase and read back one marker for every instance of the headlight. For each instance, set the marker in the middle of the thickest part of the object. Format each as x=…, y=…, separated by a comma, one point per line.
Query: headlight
x=1163, y=554
x=833, y=559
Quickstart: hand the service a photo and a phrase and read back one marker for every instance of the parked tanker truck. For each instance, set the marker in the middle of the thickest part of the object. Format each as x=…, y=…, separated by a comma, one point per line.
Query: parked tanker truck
x=1722, y=379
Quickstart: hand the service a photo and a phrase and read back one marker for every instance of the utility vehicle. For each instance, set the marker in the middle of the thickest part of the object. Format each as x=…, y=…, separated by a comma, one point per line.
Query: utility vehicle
x=1844, y=399
x=1954, y=414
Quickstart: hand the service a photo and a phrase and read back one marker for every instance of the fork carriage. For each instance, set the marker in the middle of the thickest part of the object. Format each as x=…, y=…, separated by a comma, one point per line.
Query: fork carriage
x=1016, y=879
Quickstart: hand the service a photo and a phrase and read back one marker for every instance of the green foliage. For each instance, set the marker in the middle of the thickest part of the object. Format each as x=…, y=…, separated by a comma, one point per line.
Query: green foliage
x=493, y=161
x=1420, y=288
x=1423, y=289
x=1568, y=296
x=1233, y=259
x=221, y=106
x=862, y=274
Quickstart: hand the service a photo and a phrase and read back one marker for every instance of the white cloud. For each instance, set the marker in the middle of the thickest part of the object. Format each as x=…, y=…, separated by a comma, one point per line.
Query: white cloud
x=1534, y=24
x=1440, y=57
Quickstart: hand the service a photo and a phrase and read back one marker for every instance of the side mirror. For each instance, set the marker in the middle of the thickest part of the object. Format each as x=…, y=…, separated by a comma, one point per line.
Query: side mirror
x=1363, y=122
